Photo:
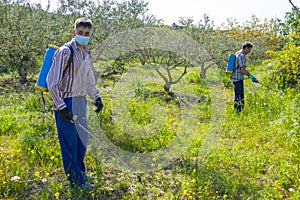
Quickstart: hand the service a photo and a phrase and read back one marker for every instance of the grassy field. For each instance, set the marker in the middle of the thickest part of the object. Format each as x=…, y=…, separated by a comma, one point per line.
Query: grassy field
x=254, y=155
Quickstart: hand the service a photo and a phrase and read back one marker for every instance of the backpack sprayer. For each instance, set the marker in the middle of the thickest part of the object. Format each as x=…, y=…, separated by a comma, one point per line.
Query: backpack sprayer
x=75, y=117
x=41, y=83
x=230, y=64
x=47, y=62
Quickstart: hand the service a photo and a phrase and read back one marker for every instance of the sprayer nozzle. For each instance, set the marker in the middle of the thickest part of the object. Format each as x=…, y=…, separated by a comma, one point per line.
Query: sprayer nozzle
x=75, y=117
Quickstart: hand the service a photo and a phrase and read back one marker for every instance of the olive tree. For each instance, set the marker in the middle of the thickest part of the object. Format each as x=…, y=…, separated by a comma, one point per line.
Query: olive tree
x=21, y=35
x=27, y=29
x=170, y=66
x=169, y=52
x=212, y=40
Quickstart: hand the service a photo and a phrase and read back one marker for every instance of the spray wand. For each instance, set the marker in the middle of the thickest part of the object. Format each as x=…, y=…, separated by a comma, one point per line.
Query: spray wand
x=75, y=121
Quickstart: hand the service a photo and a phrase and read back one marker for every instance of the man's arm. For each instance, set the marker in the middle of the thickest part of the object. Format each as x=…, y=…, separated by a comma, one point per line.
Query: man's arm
x=91, y=87
x=92, y=90
x=244, y=71
x=55, y=75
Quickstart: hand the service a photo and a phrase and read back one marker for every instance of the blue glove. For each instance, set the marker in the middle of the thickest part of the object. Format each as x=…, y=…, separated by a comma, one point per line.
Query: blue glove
x=99, y=105
x=253, y=78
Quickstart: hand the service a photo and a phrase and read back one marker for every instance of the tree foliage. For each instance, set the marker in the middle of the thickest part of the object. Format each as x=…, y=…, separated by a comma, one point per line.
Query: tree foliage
x=220, y=41
x=164, y=49
x=21, y=36
x=264, y=34
x=28, y=29
x=286, y=67
x=286, y=62
x=290, y=26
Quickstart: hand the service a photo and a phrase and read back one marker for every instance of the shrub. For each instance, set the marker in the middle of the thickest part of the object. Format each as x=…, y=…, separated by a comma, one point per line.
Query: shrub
x=285, y=71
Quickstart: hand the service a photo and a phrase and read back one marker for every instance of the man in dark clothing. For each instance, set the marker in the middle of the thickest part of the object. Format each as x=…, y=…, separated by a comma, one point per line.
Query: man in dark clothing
x=238, y=76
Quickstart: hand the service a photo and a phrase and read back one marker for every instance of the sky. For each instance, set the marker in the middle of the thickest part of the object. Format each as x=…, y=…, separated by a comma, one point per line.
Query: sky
x=217, y=10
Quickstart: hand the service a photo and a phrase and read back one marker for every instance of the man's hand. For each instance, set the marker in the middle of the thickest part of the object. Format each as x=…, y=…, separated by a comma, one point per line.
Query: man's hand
x=253, y=78
x=99, y=105
x=65, y=114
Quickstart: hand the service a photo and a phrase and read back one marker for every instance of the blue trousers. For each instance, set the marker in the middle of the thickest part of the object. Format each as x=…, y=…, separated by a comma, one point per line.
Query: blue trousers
x=73, y=140
x=239, y=96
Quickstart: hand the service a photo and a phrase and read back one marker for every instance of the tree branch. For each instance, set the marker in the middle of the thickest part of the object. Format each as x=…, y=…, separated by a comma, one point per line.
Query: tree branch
x=157, y=70
x=296, y=8
x=174, y=82
x=209, y=66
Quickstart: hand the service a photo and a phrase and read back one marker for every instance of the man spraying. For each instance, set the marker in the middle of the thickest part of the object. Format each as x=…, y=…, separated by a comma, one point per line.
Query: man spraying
x=238, y=76
x=68, y=87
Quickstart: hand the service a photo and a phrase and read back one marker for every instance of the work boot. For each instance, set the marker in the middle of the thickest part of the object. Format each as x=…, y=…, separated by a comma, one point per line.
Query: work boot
x=88, y=178
x=87, y=187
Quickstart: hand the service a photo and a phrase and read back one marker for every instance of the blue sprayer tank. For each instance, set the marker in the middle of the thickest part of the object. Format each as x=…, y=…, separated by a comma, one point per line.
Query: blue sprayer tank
x=47, y=62
x=230, y=64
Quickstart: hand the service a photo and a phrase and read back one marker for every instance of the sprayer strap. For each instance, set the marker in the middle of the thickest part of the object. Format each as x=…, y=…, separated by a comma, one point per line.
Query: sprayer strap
x=70, y=58
x=44, y=102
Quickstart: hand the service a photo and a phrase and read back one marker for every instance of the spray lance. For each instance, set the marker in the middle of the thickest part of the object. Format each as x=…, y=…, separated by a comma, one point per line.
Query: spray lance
x=75, y=121
x=266, y=86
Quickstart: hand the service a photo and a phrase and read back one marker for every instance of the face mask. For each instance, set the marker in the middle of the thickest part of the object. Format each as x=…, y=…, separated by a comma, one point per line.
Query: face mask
x=82, y=40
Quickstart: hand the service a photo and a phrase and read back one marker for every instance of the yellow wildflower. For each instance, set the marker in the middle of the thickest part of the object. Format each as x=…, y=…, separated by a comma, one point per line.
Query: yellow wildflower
x=37, y=174
x=185, y=192
x=56, y=195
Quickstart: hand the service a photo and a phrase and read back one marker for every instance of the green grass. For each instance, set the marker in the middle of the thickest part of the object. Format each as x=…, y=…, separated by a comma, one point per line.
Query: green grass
x=256, y=154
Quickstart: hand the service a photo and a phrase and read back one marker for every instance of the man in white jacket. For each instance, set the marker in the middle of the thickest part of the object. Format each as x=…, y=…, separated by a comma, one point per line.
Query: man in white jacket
x=68, y=87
